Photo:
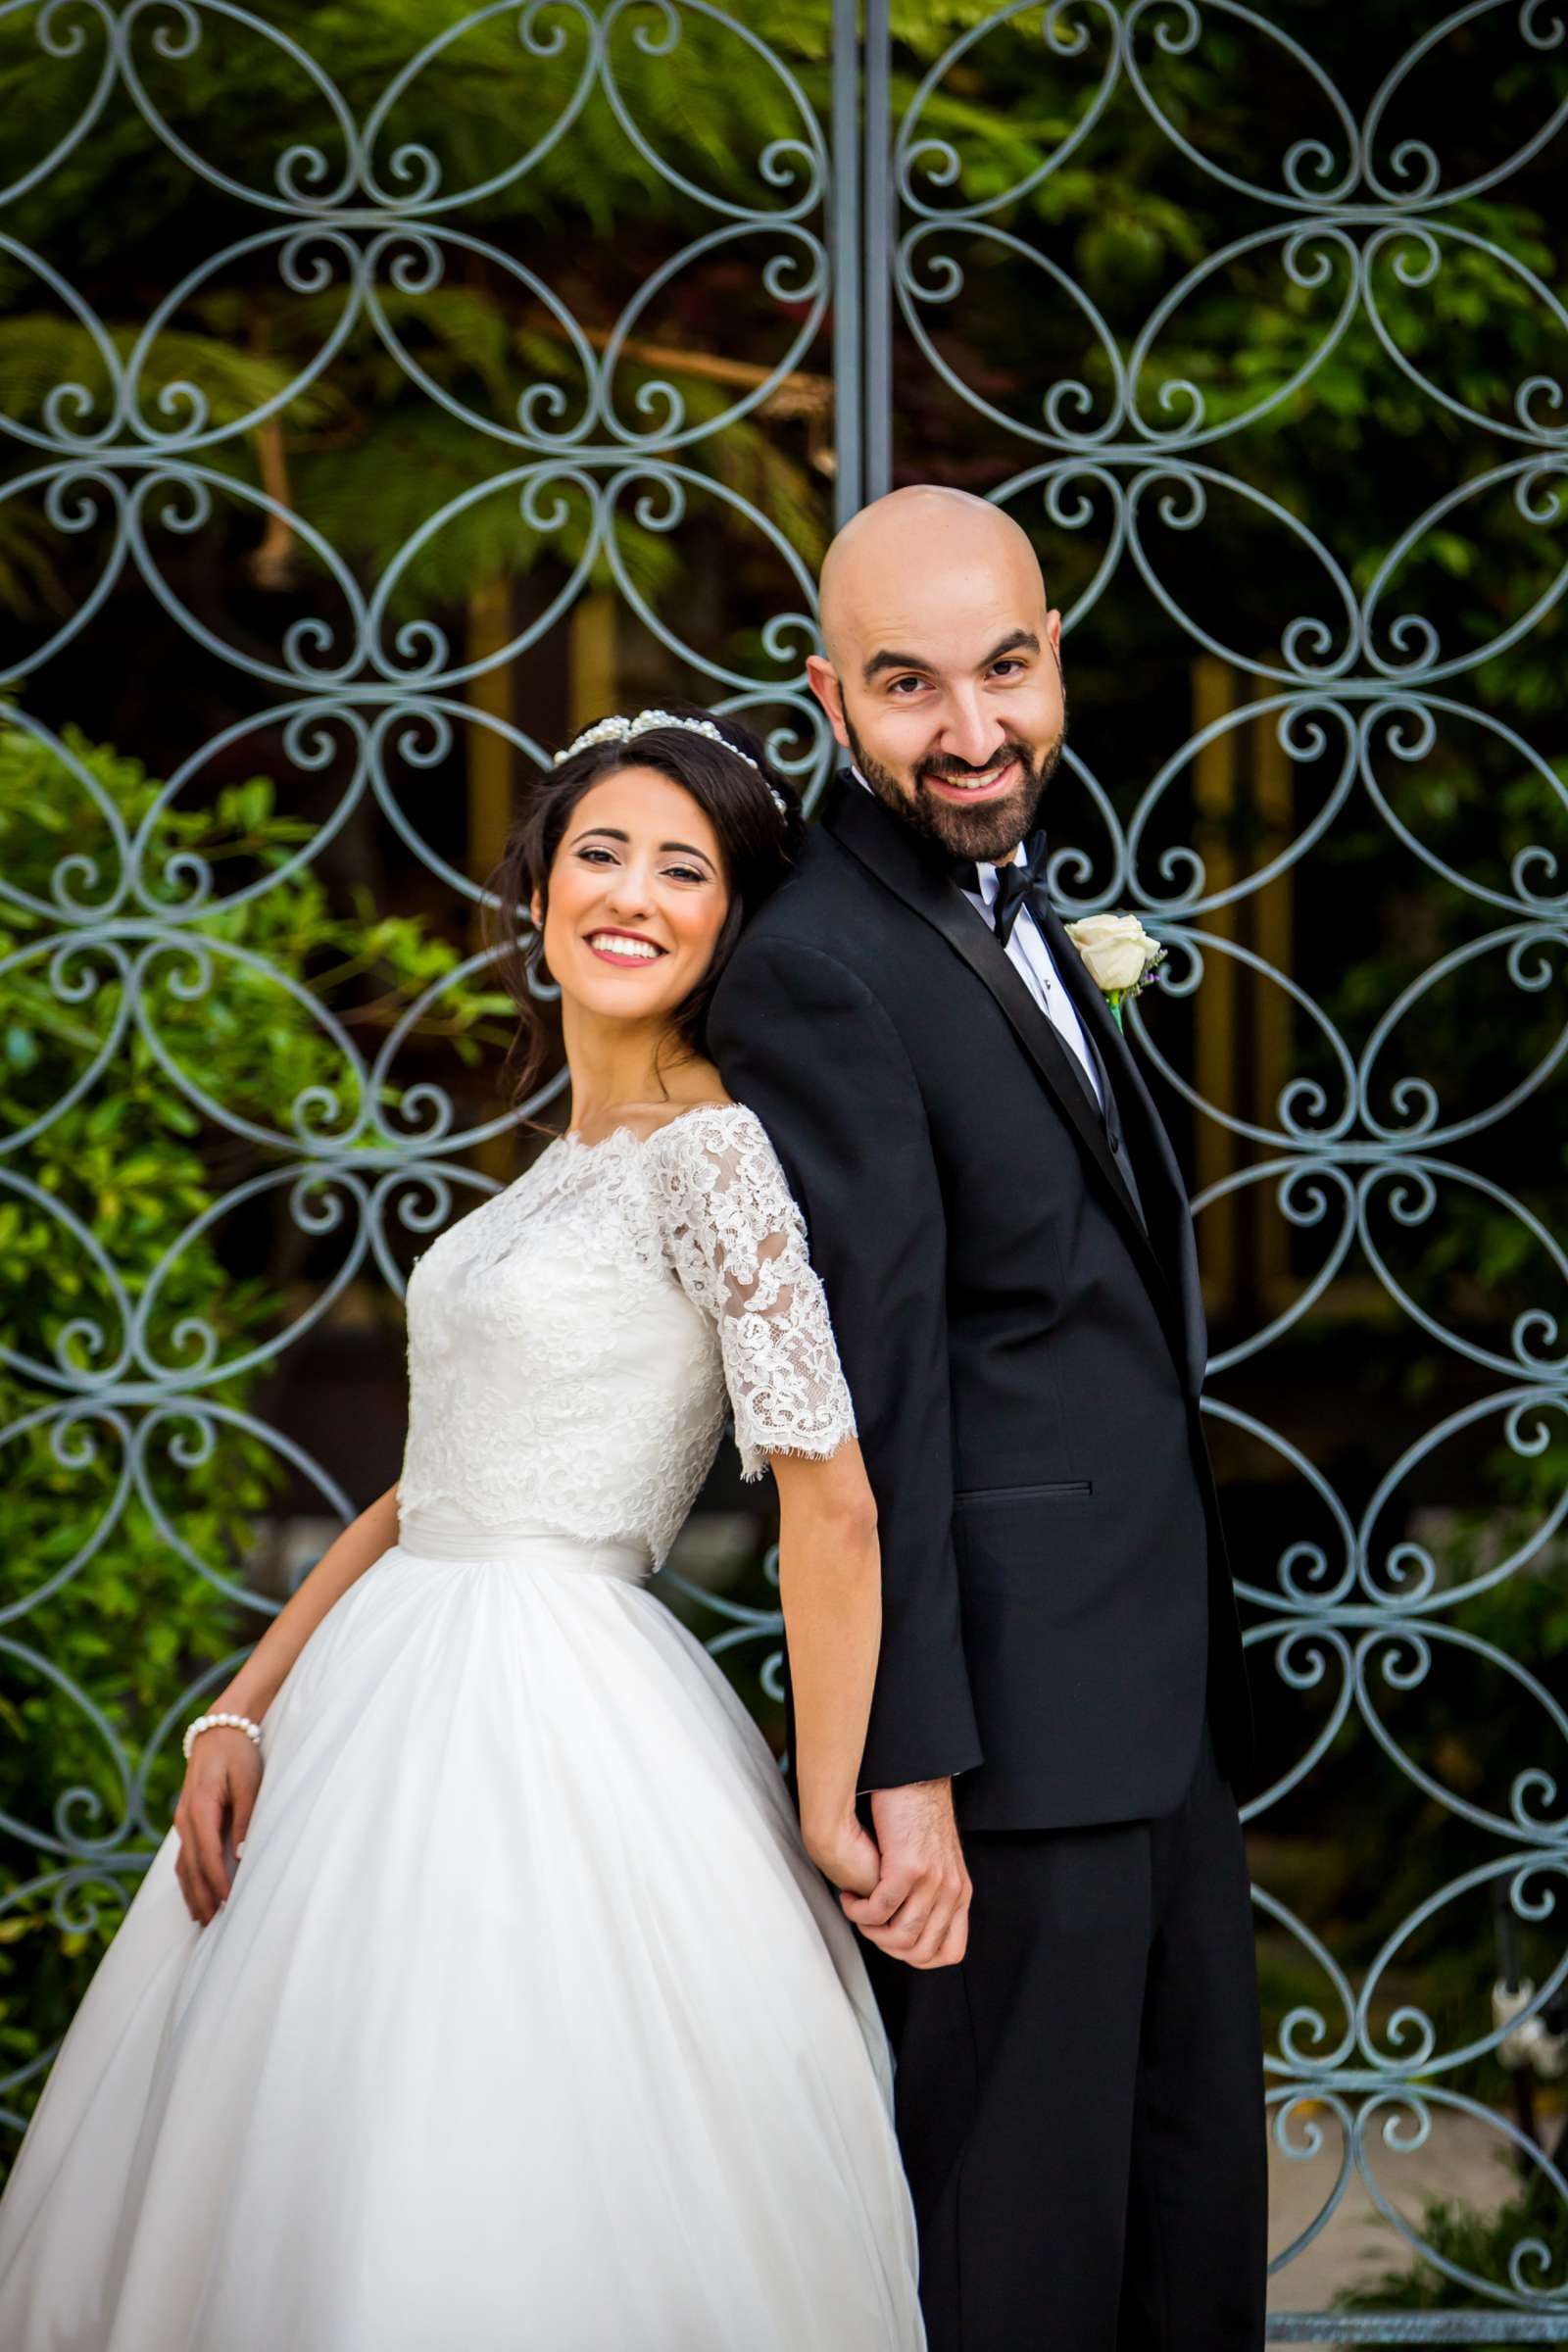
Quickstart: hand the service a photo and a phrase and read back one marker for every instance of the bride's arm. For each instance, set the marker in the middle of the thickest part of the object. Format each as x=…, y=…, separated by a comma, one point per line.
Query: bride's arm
x=737, y=1243
x=223, y=1773
x=344, y=1561
x=830, y=1585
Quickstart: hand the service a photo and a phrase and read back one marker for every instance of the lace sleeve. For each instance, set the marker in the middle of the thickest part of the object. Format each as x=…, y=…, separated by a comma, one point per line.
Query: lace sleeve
x=737, y=1242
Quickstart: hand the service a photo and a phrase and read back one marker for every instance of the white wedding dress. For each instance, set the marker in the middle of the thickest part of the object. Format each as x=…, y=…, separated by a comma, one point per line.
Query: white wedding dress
x=529, y=2024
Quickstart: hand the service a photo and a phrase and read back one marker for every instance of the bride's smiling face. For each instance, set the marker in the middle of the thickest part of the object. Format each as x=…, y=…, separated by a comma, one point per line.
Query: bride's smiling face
x=637, y=898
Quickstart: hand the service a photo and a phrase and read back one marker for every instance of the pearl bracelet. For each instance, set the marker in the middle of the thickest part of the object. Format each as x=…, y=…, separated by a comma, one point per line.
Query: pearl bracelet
x=208, y=1723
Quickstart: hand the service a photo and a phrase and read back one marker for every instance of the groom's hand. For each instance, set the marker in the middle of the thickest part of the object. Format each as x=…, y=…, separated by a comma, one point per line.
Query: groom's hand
x=919, y=1910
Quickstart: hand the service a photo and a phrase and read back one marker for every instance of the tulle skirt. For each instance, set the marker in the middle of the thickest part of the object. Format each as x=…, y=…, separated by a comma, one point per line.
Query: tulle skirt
x=527, y=2024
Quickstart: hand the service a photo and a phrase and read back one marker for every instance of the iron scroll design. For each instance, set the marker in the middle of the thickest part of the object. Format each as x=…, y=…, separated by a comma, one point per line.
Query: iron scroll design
x=127, y=455
x=1129, y=455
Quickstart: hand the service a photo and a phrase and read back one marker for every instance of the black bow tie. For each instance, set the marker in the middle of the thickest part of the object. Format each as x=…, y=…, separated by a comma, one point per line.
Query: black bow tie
x=1017, y=885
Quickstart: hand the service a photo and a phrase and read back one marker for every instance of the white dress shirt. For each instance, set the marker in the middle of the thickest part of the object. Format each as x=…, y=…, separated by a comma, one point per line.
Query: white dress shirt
x=1028, y=952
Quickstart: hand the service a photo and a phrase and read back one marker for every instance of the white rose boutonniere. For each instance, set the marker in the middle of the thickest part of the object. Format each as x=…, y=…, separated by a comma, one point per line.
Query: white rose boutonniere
x=1119, y=953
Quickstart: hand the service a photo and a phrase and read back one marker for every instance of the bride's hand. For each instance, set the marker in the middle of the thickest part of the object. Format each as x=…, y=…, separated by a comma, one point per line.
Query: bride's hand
x=845, y=1854
x=221, y=1779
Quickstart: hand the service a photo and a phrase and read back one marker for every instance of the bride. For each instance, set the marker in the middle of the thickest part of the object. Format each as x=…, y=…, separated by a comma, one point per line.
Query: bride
x=484, y=1995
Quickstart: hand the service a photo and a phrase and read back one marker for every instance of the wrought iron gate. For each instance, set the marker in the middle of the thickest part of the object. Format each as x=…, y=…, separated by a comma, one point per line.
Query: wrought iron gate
x=826, y=238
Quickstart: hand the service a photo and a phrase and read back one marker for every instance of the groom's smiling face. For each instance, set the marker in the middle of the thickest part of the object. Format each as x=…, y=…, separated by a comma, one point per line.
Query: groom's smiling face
x=942, y=675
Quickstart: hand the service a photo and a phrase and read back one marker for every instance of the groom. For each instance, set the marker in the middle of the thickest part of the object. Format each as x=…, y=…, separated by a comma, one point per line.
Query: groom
x=1062, y=1931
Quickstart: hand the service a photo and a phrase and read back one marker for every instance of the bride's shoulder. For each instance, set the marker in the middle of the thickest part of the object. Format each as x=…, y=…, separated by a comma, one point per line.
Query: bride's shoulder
x=717, y=1183
x=699, y=1127
x=718, y=1146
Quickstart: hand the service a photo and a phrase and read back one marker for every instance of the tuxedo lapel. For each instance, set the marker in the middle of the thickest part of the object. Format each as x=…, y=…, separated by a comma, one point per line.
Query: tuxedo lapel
x=876, y=839
x=1157, y=1162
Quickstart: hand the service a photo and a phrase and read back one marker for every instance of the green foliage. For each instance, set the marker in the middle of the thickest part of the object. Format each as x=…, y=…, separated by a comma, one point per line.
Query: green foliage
x=140, y=1621
x=1357, y=450
x=1481, y=2244
x=369, y=453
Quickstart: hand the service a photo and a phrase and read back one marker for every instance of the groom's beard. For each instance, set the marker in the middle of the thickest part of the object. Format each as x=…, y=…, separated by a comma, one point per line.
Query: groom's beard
x=989, y=834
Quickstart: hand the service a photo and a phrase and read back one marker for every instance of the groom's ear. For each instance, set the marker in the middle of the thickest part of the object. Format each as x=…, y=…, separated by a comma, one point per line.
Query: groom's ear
x=823, y=680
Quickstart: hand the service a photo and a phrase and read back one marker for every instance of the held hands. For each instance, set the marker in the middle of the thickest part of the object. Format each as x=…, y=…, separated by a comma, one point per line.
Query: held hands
x=919, y=1910
x=222, y=1780
x=846, y=1855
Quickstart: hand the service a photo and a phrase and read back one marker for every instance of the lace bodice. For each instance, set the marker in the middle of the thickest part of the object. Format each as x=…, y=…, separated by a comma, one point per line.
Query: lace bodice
x=572, y=1341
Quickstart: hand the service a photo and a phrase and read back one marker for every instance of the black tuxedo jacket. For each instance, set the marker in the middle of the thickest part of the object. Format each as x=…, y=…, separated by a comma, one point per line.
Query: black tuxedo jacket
x=1023, y=1337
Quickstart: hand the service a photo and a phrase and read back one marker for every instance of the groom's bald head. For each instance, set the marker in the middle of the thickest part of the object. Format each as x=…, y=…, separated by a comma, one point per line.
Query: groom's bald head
x=881, y=557
x=941, y=673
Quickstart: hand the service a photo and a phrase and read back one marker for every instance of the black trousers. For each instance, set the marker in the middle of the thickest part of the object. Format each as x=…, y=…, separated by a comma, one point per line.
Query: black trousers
x=1080, y=2101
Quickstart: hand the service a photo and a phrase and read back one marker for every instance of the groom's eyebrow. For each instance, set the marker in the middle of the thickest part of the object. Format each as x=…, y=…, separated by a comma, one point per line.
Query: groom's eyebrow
x=1017, y=641
x=887, y=660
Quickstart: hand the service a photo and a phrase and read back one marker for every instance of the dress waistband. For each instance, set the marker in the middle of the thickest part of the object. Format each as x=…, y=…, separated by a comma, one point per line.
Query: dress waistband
x=436, y=1534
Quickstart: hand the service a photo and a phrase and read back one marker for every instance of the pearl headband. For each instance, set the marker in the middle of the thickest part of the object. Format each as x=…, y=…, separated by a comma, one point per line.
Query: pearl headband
x=617, y=730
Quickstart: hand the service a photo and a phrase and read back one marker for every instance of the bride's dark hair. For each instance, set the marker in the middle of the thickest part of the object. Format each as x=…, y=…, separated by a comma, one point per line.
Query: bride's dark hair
x=758, y=842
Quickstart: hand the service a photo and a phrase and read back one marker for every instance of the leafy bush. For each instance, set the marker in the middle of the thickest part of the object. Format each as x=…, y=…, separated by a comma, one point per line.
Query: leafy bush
x=1481, y=2244
x=139, y=1625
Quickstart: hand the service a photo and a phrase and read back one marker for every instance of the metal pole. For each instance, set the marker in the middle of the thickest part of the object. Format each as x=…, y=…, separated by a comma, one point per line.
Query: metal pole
x=848, y=422
x=878, y=251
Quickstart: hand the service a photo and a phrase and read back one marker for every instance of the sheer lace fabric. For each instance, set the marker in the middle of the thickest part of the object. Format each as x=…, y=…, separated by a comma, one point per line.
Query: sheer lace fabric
x=573, y=1343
